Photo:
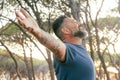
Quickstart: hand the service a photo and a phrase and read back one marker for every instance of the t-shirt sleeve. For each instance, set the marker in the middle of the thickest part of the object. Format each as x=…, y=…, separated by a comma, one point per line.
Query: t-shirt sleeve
x=70, y=54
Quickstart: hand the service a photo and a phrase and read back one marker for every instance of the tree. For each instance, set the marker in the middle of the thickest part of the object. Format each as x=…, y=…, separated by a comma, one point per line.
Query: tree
x=45, y=11
x=119, y=6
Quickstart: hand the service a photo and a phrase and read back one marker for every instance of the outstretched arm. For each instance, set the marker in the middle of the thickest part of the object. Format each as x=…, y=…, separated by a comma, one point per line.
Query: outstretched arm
x=56, y=46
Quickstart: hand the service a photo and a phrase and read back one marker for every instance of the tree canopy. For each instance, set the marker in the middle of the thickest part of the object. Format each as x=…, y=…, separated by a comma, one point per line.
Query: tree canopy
x=101, y=39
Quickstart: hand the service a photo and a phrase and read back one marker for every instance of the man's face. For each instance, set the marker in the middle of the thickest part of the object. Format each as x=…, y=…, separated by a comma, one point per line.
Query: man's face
x=74, y=27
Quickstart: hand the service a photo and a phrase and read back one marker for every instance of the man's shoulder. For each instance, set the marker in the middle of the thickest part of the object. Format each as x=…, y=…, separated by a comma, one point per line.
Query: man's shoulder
x=74, y=45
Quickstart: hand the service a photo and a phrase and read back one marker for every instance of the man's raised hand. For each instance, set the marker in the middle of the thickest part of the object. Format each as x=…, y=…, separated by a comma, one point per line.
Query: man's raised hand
x=27, y=21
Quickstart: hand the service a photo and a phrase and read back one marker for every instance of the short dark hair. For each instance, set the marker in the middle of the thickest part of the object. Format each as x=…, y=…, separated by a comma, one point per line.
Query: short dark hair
x=56, y=25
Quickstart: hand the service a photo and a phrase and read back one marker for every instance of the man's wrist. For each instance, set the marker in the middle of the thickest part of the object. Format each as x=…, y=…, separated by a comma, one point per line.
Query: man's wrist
x=36, y=32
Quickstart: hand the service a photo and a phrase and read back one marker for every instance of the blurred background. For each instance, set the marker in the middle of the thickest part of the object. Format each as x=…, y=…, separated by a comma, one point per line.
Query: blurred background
x=22, y=57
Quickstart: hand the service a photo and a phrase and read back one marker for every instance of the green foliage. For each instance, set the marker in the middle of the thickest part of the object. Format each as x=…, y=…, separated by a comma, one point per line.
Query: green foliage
x=7, y=62
x=109, y=57
x=116, y=57
x=108, y=22
x=12, y=2
x=37, y=61
x=9, y=29
x=2, y=51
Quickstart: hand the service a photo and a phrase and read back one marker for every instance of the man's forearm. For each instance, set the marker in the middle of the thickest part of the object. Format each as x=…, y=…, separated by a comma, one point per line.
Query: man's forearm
x=56, y=46
x=48, y=40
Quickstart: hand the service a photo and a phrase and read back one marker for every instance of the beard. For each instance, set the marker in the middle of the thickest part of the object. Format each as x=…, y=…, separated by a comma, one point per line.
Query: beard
x=79, y=34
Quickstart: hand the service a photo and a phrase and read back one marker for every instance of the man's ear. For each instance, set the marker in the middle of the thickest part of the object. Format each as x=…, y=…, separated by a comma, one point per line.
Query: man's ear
x=65, y=30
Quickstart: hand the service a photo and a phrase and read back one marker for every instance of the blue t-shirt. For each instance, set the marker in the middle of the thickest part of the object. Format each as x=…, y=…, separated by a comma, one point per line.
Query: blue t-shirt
x=77, y=65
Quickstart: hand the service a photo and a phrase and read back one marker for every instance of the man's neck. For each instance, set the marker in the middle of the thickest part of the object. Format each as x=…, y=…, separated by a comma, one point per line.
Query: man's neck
x=74, y=40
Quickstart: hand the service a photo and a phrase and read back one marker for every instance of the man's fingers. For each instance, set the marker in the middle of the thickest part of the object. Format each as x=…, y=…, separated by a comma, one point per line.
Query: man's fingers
x=20, y=15
x=23, y=17
x=21, y=22
x=24, y=13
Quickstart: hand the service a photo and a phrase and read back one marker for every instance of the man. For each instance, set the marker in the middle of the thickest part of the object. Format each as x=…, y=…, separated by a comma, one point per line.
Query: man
x=71, y=61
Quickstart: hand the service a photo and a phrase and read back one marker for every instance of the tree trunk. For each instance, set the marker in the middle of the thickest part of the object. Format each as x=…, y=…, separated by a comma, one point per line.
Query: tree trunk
x=27, y=65
x=15, y=61
x=99, y=53
x=75, y=9
x=89, y=34
x=119, y=6
x=50, y=64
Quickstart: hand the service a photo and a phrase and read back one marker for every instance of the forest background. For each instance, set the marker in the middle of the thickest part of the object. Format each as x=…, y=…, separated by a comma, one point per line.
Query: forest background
x=22, y=57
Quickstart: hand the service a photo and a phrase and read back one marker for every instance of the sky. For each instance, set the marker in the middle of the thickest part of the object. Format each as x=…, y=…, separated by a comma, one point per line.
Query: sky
x=107, y=6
